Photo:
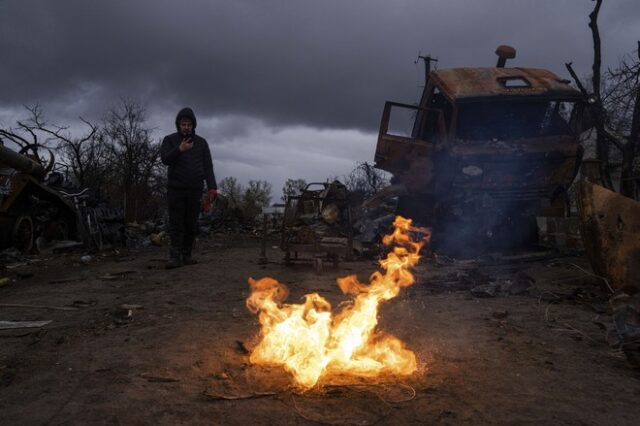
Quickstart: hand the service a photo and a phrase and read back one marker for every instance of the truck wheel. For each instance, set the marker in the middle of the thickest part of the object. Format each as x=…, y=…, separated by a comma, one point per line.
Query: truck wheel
x=22, y=234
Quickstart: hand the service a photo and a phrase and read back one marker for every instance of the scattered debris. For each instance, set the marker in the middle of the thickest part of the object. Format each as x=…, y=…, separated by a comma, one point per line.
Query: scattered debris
x=241, y=348
x=16, y=265
x=624, y=333
x=519, y=285
x=560, y=233
x=53, y=308
x=62, y=246
x=111, y=276
x=501, y=314
x=84, y=303
x=222, y=376
x=159, y=239
x=122, y=316
x=486, y=290
x=24, y=274
x=214, y=396
x=66, y=280
x=130, y=307
x=10, y=325
x=158, y=379
x=11, y=255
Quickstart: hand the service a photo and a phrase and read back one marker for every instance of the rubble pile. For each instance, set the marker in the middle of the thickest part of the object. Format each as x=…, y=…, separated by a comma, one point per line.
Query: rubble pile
x=374, y=217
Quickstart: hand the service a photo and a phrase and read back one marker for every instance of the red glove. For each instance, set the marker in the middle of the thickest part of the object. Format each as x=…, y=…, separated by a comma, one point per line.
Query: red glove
x=213, y=193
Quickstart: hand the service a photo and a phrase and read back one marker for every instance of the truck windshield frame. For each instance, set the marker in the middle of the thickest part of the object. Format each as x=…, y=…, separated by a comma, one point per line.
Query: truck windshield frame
x=507, y=119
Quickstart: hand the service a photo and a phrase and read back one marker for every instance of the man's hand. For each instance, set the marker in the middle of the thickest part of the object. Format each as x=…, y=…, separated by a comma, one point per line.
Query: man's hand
x=206, y=205
x=208, y=200
x=186, y=144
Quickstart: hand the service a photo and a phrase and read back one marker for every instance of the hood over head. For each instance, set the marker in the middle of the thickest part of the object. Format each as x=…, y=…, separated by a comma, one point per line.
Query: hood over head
x=186, y=113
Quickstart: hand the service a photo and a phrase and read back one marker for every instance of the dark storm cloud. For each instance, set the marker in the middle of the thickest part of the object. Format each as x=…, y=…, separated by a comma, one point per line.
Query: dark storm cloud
x=282, y=89
x=325, y=64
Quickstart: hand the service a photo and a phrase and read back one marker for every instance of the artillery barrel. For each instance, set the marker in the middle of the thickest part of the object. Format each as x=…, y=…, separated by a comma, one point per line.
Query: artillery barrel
x=20, y=162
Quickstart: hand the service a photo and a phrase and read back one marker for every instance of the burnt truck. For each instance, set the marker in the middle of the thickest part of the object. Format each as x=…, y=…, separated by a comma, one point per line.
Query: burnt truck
x=484, y=152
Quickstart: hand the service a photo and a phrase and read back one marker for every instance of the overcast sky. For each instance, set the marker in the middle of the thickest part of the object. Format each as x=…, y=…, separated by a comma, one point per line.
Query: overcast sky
x=281, y=88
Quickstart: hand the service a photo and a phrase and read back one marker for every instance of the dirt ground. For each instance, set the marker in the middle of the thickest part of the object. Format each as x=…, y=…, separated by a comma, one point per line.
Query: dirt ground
x=535, y=354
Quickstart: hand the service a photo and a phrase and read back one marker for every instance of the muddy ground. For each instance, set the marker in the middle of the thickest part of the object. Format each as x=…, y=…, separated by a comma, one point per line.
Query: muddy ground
x=533, y=352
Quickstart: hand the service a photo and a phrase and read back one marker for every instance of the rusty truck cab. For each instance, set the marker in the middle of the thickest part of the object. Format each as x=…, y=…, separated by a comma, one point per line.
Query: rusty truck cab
x=484, y=145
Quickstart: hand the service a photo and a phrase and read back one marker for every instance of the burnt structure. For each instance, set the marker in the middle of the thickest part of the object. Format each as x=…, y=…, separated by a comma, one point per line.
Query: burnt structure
x=485, y=151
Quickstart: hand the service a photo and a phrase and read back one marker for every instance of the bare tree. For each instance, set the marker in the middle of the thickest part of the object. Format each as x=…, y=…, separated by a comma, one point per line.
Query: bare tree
x=256, y=196
x=34, y=136
x=622, y=102
x=232, y=191
x=366, y=180
x=246, y=202
x=618, y=108
x=118, y=159
x=27, y=131
x=602, y=145
x=133, y=157
x=293, y=187
x=85, y=155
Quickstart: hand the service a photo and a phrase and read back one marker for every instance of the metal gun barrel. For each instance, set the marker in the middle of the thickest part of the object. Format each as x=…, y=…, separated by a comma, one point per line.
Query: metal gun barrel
x=20, y=162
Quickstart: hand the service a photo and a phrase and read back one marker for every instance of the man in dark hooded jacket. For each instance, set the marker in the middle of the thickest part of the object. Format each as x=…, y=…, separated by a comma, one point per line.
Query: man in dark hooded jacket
x=189, y=160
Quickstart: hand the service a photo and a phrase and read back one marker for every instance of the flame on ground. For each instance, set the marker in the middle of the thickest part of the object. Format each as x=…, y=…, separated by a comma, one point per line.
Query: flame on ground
x=310, y=342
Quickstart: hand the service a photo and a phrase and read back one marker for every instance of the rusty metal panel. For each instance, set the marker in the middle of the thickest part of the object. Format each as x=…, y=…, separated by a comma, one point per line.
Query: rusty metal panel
x=461, y=84
x=21, y=162
x=16, y=184
x=526, y=168
x=610, y=225
x=403, y=155
x=563, y=145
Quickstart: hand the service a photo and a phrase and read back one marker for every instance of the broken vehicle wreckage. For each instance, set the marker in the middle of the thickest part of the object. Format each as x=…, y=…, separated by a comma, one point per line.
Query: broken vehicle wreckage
x=485, y=152
x=36, y=208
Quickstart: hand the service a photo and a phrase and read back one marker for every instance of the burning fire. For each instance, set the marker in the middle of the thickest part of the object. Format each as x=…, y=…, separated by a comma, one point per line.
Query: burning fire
x=309, y=341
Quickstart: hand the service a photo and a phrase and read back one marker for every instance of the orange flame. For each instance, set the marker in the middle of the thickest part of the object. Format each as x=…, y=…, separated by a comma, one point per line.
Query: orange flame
x=309, y=342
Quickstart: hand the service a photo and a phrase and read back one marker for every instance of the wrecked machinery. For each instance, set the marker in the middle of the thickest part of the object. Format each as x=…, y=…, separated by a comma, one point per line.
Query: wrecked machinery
x=28, y=207
x=485, y=151
x=318, y=222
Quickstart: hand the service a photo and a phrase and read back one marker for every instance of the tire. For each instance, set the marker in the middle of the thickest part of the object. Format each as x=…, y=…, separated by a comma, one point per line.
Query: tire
x=22, y=234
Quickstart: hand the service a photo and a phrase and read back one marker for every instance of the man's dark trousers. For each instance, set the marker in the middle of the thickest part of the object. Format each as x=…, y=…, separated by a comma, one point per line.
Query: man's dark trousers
x=184, y=207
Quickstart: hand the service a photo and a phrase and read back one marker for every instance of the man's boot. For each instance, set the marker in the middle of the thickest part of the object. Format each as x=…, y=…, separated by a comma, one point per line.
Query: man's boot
x=187, y=259
x=175, y=259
